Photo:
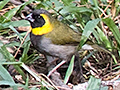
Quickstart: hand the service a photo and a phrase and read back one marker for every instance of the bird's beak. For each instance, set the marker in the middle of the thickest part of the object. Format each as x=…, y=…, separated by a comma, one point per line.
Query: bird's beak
x=29, y=18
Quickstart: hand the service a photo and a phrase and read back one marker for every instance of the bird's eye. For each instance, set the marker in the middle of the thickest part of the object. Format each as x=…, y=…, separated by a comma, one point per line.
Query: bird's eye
x=36, y=16
x=39, y=16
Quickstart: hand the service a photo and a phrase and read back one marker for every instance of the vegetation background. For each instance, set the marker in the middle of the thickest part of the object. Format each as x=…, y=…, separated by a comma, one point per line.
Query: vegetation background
x=96, y=20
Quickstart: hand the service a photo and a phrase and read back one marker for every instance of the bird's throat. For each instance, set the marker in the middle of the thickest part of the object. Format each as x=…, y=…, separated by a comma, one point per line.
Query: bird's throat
x=46, y=28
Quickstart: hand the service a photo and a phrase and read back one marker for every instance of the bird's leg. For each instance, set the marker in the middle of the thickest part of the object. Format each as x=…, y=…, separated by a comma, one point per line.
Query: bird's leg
x=80, y=67
x=55, y=76
x=51, y=67
x=50, y=61
x=56, y=67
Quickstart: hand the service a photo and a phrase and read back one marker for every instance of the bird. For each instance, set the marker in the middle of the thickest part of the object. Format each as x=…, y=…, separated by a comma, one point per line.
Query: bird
x=53, y=38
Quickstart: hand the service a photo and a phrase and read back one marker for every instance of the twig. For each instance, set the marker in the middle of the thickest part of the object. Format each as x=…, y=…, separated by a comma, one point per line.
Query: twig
x=50, y=81
x=106, y=8
x=21, y=43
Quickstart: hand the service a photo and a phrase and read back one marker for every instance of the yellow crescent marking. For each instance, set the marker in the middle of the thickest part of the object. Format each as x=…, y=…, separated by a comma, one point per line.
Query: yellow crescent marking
x=46, y=28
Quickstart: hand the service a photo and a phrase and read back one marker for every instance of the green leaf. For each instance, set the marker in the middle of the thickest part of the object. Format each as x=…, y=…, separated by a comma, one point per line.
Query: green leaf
x=4, y=74
x=25, y=51
x=31, y=58
x=9, y=57
x=93, y=83
x=14, y=24
x=84, y=2
x=74, y=9
x=25, y=4
x=6, y=78
x=8, y=15
x=6, y=54
x=96, y=35
x=42, y=88
x=27, y=81
x=3, y=3
x=104, y=88
x=11, y=63
x=103, y=38
x=12, y=28
x=67, y=2
x=4, y=82
x=89, y=28
x=69, y=70
x=58, y=4
x=12, y=44
x=110, y=23
x=94, y=2
x=2, y=57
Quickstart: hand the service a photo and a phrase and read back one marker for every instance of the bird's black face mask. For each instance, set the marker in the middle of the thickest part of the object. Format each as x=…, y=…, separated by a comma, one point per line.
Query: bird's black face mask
x=35, y=20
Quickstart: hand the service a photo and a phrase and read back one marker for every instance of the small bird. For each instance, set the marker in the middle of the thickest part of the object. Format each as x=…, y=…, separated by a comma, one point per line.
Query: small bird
x=51, y=37
x=55, y=39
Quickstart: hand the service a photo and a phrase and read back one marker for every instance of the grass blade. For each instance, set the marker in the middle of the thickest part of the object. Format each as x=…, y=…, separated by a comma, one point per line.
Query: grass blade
x=69, y=70
x=6, y=78
x=110, y=23
x=89, y=28
x=3, y=3
x=93, y=83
